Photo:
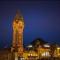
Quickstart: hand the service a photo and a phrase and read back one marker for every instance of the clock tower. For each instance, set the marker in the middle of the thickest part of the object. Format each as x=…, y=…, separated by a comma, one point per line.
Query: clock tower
x=18, y=27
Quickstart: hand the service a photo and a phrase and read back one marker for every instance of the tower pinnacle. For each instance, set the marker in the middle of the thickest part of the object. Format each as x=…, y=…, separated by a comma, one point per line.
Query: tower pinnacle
x=18, y=16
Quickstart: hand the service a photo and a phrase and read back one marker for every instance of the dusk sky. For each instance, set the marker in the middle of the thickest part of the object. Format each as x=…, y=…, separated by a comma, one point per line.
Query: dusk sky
x=42, y=20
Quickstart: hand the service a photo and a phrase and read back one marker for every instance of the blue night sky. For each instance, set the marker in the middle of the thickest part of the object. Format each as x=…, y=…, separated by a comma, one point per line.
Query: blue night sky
x=42, y=19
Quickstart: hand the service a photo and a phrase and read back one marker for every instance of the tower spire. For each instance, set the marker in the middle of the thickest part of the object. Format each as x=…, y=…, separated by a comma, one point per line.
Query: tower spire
x=18, y=16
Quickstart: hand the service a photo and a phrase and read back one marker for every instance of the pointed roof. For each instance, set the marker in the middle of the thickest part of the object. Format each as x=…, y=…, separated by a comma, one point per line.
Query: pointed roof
x=18, y=16
x=39, y=41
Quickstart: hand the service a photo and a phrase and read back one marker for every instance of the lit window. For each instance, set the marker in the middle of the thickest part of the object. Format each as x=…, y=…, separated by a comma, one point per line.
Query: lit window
x=45, y=54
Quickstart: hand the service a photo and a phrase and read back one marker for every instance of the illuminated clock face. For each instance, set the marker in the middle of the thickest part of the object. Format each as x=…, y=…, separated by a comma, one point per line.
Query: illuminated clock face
x=20, y=26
